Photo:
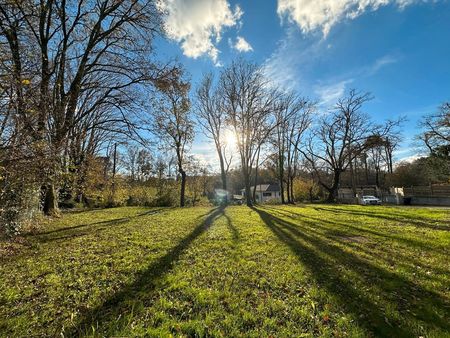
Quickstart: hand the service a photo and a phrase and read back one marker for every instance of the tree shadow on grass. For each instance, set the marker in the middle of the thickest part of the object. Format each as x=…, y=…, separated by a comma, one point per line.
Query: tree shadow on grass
x=234, y=231
x=315, y=225
x=105, y=317
x=88, y=228
x=318, y=221
x=417, y=242
x=417, y=221
x=412, y=301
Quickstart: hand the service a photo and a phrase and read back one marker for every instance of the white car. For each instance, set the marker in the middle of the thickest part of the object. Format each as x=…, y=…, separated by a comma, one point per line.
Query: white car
x=370, y=200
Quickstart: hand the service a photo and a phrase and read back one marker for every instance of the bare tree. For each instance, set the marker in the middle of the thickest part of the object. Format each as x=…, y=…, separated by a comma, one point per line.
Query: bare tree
x=78, y=59
x=340, y=138
x=197, y=180
x=297, y=126
x=173, y=121
x=375, y=145
x=293, y=117
x=436, y=135
x=144, y=164
x=212, y=118
x=130, y=160
x=249, y=103
x=379, y=153
x=159, y=169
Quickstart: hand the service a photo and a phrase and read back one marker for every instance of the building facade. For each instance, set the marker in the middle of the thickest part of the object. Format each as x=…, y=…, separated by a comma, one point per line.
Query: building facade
x=265, y=192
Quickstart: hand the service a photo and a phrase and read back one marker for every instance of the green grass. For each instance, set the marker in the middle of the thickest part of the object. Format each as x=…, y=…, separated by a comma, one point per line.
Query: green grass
x=318, y=270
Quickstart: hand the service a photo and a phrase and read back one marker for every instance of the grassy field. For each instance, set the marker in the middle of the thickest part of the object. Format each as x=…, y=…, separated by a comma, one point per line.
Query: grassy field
x=302, y=271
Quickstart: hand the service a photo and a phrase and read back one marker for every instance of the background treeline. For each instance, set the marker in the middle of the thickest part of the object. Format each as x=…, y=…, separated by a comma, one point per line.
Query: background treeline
x=90, y=116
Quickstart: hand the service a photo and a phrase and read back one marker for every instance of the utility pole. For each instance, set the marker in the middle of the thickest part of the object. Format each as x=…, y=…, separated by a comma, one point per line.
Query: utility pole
x=114, y=172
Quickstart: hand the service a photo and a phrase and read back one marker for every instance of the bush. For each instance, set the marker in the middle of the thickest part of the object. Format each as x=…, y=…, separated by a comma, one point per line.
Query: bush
x=305, y=190
x=70, y=204
x=199, y=201
x=141, y=196
x=20, y=204
x=138, y=194
x=167, y=199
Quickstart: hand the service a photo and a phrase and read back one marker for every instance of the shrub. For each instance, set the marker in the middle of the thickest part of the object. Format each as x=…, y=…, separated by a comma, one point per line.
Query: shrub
x=137, y=194
x=141, y=196
x=165, y=200
x=20, y=204
x=305, y=190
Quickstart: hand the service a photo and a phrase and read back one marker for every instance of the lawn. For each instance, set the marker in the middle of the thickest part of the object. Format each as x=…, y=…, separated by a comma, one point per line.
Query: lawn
x=302, y=271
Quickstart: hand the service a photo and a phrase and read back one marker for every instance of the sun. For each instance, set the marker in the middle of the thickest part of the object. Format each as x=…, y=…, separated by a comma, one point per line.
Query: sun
x=230, y=139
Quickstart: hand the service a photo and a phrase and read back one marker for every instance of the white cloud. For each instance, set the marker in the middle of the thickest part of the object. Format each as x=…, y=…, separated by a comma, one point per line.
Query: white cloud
x=329, y=94
x=382, y=62
x=292, y=61
x=311, y=15
x=408, y=159
x=198, y=24
x=293, y=66
x=204, y=150
x=242, y=45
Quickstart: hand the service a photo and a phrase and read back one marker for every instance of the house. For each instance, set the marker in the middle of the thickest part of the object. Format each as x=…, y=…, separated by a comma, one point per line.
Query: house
x=265, y=192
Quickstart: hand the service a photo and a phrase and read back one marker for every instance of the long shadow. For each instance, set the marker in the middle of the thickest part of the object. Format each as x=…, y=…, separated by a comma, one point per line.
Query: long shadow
x=318, y=220
x=234, y=231
x=419, y=222
x=314, y=224
x=88, y=228
x=112, y=221
x=119, y=303
x=394, y=257
x=420, y=244
x=369, y=315
x=334, y=250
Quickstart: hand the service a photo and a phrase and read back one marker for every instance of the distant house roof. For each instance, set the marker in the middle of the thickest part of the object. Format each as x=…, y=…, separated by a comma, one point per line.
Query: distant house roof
x=265, y=187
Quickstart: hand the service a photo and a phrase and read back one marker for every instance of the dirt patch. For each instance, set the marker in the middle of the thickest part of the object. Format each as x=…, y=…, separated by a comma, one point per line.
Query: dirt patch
x=354, y=239
x=345, y=237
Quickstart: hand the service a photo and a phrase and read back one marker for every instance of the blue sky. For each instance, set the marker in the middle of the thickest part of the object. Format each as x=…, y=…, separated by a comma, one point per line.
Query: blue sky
x=399, y=50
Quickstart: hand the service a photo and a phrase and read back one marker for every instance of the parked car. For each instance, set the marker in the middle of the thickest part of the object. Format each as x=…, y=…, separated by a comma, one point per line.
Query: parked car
x=370, y=200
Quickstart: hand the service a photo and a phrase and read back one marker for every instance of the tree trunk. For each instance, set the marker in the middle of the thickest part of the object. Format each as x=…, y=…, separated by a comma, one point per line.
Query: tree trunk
x=256, y=178
x=377, y=177
x=352, y=178
x=390, y=166
x=366, y=169
x=248, y=195
x=288, y=189
x=281, y=176
x=223, y=175
x=50, y=206
x=254, y=186
x=332, y=192
x=183, y=187
x=292, y=192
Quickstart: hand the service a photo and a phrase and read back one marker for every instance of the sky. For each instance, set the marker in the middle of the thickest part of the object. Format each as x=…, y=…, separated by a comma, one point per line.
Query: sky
x=398, y=50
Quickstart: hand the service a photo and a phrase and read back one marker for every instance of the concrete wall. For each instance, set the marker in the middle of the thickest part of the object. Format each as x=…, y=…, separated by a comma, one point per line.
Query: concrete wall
x=440, y=201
